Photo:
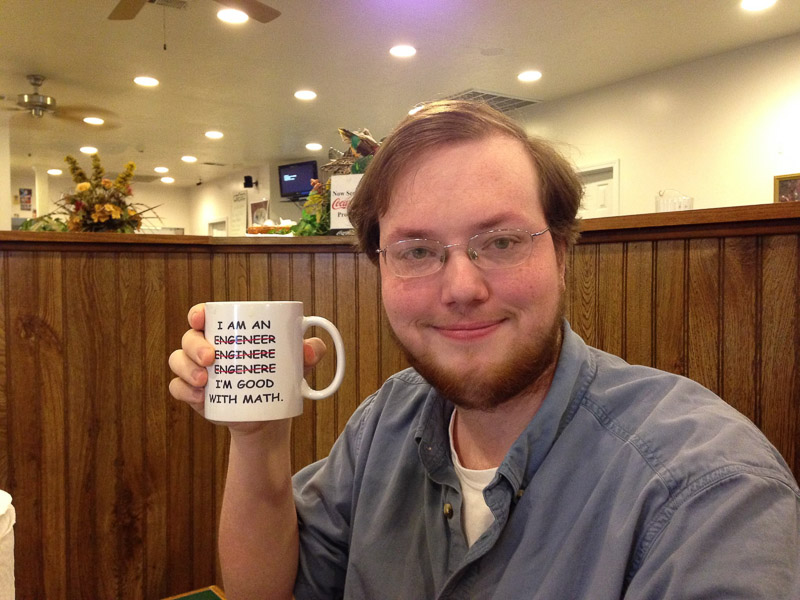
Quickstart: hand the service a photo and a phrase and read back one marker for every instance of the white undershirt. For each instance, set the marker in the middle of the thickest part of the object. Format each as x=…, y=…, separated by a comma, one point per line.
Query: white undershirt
x=475, y=514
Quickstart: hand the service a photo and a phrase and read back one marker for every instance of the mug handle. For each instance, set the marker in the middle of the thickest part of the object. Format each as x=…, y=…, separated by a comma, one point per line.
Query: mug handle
x=305, y=389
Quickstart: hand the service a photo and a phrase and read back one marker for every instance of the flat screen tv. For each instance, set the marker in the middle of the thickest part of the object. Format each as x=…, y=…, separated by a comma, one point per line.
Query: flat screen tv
x=295, y=179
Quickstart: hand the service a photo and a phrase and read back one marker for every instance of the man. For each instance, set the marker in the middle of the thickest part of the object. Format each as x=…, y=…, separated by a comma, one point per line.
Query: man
x=512, y=461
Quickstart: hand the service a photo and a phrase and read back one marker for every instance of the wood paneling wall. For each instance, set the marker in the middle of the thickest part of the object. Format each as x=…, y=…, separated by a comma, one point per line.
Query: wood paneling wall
x=117, y=487
x=722, y=311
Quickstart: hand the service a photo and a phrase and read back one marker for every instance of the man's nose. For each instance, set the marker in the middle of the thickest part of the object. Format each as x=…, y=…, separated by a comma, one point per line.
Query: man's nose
x=463, y=281
x=450, y=249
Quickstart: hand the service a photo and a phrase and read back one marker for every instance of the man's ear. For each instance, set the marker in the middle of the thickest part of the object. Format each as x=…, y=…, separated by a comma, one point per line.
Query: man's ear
x=561, y=259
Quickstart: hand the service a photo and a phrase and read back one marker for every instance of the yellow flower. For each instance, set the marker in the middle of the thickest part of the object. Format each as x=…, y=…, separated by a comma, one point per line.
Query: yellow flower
x=83, y=186
x=74, y=223
x=136, y=218
x=100, y=213
x=115, y=211
x=106, y=183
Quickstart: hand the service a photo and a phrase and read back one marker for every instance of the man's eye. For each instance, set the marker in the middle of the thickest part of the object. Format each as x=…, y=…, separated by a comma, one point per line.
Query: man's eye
x=505, y=242
x=417, y=253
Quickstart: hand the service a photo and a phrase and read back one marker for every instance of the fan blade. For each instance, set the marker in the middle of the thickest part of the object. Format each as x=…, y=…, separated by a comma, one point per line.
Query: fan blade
x=126, y=10
x=253, y=9
x=76, y=114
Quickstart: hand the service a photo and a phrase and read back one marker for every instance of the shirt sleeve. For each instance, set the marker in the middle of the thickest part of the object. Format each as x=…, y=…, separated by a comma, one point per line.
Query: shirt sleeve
x=324, y=493
x=738, y=537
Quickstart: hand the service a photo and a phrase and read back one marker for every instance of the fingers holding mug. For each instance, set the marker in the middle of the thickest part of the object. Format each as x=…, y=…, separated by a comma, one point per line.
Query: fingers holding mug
x=314, y=349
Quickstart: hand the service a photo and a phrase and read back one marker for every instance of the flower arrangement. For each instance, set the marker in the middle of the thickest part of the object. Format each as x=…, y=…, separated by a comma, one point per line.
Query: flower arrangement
x=98, y=203
x=316, y=219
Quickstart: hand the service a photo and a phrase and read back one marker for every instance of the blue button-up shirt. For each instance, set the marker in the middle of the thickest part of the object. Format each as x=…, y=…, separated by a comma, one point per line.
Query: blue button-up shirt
x=628, y=483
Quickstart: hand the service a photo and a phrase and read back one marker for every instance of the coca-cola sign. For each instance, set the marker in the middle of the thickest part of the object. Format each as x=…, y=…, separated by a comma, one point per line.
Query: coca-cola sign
x=342, y=189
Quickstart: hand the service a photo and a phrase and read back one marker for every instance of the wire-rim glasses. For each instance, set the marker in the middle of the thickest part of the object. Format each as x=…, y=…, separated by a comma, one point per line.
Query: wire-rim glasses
x=494, y=249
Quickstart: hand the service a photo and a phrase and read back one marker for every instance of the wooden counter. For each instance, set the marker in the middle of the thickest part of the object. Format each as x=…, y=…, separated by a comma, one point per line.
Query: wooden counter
x=117, y=486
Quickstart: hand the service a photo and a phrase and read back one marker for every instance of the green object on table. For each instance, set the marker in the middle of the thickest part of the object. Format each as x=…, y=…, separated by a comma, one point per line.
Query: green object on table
x=209, y=593
x=44, y=223
x=202, y=595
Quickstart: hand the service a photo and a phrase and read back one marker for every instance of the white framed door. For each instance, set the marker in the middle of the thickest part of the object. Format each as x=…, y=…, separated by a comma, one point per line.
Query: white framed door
x=601, y=190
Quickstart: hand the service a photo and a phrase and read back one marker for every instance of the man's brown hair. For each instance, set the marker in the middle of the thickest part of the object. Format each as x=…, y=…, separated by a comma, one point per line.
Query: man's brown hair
x=445, y=122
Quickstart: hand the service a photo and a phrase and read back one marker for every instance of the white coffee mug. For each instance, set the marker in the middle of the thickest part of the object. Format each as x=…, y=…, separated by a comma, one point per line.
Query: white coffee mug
x=257, y=374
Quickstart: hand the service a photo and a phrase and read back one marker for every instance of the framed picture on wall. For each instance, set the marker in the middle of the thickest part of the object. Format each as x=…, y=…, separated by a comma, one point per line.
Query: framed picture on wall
x=218, y=228
x=259, y=212
x=787, y=188
x=25, y=198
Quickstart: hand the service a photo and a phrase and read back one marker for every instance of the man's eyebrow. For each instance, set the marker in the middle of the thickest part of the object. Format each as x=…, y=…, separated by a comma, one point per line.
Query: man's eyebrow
x=418, y=233
x=495, y=222
x=410, y=234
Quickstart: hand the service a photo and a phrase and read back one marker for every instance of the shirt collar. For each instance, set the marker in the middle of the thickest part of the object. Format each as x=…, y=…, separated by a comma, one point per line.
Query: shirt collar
x=574, y=372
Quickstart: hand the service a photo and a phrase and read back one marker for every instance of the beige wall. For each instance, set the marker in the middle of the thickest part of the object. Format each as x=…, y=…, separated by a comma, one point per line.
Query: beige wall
x=212, y=201
x=717, y=129
x=171, y=204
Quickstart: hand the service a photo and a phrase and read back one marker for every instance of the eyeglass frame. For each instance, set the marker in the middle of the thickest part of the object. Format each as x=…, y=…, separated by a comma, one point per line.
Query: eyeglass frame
x=472, y=254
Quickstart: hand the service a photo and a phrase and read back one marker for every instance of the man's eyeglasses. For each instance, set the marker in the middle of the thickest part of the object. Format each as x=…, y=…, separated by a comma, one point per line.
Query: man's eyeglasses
x=495, y=249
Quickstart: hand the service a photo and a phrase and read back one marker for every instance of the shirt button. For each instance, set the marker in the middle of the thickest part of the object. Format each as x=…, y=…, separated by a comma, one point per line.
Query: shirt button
x=448, y=510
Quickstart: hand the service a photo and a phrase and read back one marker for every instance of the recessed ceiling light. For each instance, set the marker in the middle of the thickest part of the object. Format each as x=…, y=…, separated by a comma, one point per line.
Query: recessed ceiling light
x=94, y=120
x=89, y=150
x=189, y=159
x=54, y=171
x=403, y=51
x=213, y=135
x=145, y=81
x=529, y=76
x=161, y=170
x=313, y=146
x=167, y=180
x=756, y=5
x=305, y=95
x=231, y=15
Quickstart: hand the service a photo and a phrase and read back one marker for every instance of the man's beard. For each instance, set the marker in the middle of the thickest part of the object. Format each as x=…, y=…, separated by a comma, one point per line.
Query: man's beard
x=525, y=369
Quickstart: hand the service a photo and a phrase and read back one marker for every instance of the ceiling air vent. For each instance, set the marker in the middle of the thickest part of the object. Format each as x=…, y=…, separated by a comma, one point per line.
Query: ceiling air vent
x=497, y=101
x=169, y=3
x=145, y=178
x=136, y=178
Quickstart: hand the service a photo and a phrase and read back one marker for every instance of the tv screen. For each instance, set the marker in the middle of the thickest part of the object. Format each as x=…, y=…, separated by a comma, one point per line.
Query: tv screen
x=295, y=179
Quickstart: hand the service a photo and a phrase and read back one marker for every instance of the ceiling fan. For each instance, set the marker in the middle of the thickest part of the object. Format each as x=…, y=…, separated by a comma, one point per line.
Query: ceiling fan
x=128, y=9
x=37, y=105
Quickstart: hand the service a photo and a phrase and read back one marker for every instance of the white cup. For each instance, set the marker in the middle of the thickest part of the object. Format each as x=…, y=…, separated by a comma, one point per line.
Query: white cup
x=257, y=373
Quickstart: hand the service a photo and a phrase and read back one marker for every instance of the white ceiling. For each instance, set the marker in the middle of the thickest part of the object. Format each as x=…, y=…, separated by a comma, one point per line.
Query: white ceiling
x=241, y=79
